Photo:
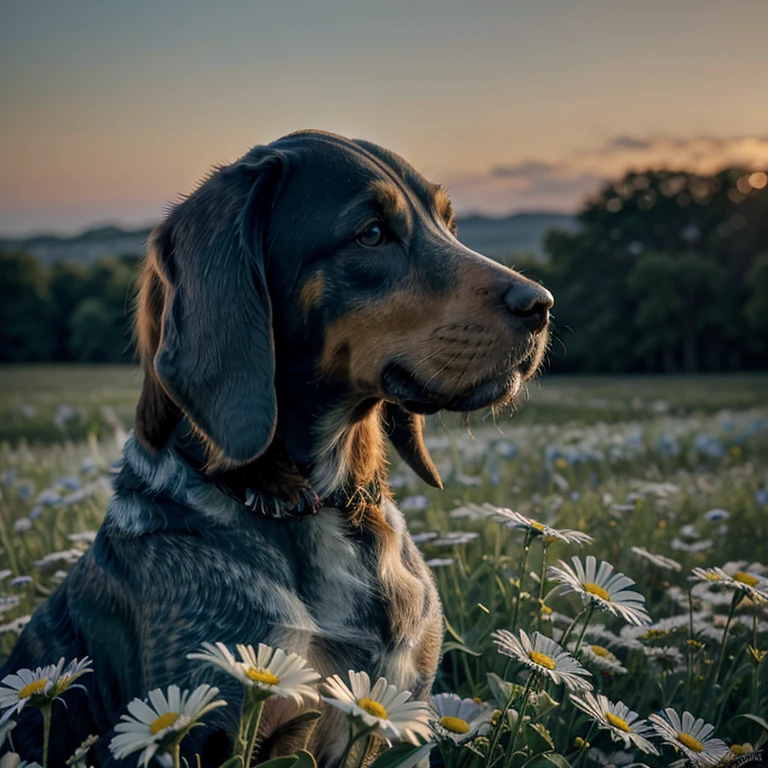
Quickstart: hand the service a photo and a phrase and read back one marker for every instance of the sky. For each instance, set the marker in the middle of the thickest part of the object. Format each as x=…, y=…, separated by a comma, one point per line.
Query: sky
x=111, y=110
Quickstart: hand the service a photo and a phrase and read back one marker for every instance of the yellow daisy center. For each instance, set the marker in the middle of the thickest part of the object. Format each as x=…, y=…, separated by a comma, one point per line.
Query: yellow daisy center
x=737, y=749
x=542, y=660
x=537, y=526
x=372, y=707
x=711, y=577
x=34, y=687
x=617, y=722
x=692, y=744
x=262, y=676
x=746, y=578
x=598, y=650
x=546, y=610
x=454, y=724
x=169, y=718
x=596, y=589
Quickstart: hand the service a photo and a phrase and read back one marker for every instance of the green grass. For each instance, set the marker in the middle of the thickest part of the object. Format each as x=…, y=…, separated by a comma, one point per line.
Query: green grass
x=632, y=461
x=99, y=395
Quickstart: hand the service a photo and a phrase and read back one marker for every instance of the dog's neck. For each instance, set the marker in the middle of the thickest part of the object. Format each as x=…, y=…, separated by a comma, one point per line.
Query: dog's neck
x=341, y=463
x=343, y=453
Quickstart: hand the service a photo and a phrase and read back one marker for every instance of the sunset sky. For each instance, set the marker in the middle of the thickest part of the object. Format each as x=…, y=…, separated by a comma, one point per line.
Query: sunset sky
x=110, y=110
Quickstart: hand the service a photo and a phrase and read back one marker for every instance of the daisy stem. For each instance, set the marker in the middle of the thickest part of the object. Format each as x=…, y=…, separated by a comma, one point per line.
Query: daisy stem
x=176, y=755
x=736, y=598
x=489, y=761
x=583, y=751
x=544, y=548
x=689, y=676
x=519, y=724
x=756, y=665
x=520, y=572
x=351, y=741
x=590, y=611
x=252, y=729
x=10, y=550
x=571, y=626
x=45, y=711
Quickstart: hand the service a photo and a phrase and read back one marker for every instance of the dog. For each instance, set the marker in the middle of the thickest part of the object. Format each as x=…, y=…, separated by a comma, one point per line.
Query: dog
x=297, y=309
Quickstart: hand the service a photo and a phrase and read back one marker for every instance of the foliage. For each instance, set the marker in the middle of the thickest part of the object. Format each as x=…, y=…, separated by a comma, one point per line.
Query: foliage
x=667, y=273
x=66, y=311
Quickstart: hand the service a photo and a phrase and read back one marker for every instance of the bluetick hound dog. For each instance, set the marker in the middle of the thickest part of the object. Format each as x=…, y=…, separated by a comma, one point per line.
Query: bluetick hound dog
x=300, y=307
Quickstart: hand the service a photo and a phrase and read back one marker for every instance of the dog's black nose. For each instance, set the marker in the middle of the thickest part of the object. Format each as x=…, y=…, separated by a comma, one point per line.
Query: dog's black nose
x=530, y=304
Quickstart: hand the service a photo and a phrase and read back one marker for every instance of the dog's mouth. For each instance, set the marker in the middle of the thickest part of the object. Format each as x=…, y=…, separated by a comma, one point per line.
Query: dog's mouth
x=400, y=384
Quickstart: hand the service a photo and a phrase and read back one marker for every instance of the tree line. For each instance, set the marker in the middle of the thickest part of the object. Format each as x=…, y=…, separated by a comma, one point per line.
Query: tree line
x=66, y=312
x=667, y=272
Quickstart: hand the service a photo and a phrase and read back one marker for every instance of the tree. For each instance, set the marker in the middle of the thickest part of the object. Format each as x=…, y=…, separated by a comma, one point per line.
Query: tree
x=25, y=315
x=663, y=274
x=91, y=332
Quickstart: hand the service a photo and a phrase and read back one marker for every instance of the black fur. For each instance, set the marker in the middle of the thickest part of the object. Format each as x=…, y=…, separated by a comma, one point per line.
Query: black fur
x=248, y=329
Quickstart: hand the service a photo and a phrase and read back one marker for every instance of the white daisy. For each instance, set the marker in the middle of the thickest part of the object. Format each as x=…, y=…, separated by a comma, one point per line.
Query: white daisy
x=458, y=719
x=270, y=671
x=514, y=519
x=612, y=760
x=619, y=719
x=64, y=677
x=383, y=706
x=602, y=636
x=690, y=735
x=667, y=657
x=158, y=724
x=40, y=687
x=5, y=730
x=752, y=585
x=603, y=659
x=607, y=590
x=658, y=560
x=544, y=656
x=454, y=539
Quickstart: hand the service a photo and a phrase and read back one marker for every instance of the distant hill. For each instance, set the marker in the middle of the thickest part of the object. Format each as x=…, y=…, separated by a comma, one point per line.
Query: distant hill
x=86, y=248
x=505, y=238
x=498, y=238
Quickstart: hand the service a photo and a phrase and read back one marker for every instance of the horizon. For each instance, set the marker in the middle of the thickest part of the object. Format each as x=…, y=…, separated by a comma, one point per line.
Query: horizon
x=114, y=112
x=141, y=227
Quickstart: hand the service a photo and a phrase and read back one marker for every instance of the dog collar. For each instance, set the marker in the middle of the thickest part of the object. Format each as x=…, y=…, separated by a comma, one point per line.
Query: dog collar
x=270, y=505
x=308, y=505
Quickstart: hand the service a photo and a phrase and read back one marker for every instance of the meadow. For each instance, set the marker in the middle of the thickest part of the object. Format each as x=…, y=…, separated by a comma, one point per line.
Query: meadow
x=665, y=474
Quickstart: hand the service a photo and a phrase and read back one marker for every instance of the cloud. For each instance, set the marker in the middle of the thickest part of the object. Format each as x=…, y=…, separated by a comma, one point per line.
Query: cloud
x=628, y=142
x=557, y=189
x=563, y=183
x=529, y=169
x=703, y=153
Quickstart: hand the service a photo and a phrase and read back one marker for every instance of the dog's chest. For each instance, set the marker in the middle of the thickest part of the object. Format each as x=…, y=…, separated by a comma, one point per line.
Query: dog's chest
x=346, y=616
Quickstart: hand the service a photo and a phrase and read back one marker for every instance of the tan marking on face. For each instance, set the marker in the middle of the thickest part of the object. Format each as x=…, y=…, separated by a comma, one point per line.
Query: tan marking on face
x=453, y=340
x=391, y=200
x=312, y=293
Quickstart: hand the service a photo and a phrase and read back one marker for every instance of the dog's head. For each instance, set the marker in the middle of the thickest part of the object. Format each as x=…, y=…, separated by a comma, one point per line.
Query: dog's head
x=316, y=285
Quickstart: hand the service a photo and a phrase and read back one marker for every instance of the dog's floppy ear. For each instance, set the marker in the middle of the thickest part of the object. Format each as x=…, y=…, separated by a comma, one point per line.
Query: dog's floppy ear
x=204, y=316
x=406, y=431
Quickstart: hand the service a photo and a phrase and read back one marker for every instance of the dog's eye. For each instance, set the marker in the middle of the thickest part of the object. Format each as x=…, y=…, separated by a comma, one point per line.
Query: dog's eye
x=372, y=236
